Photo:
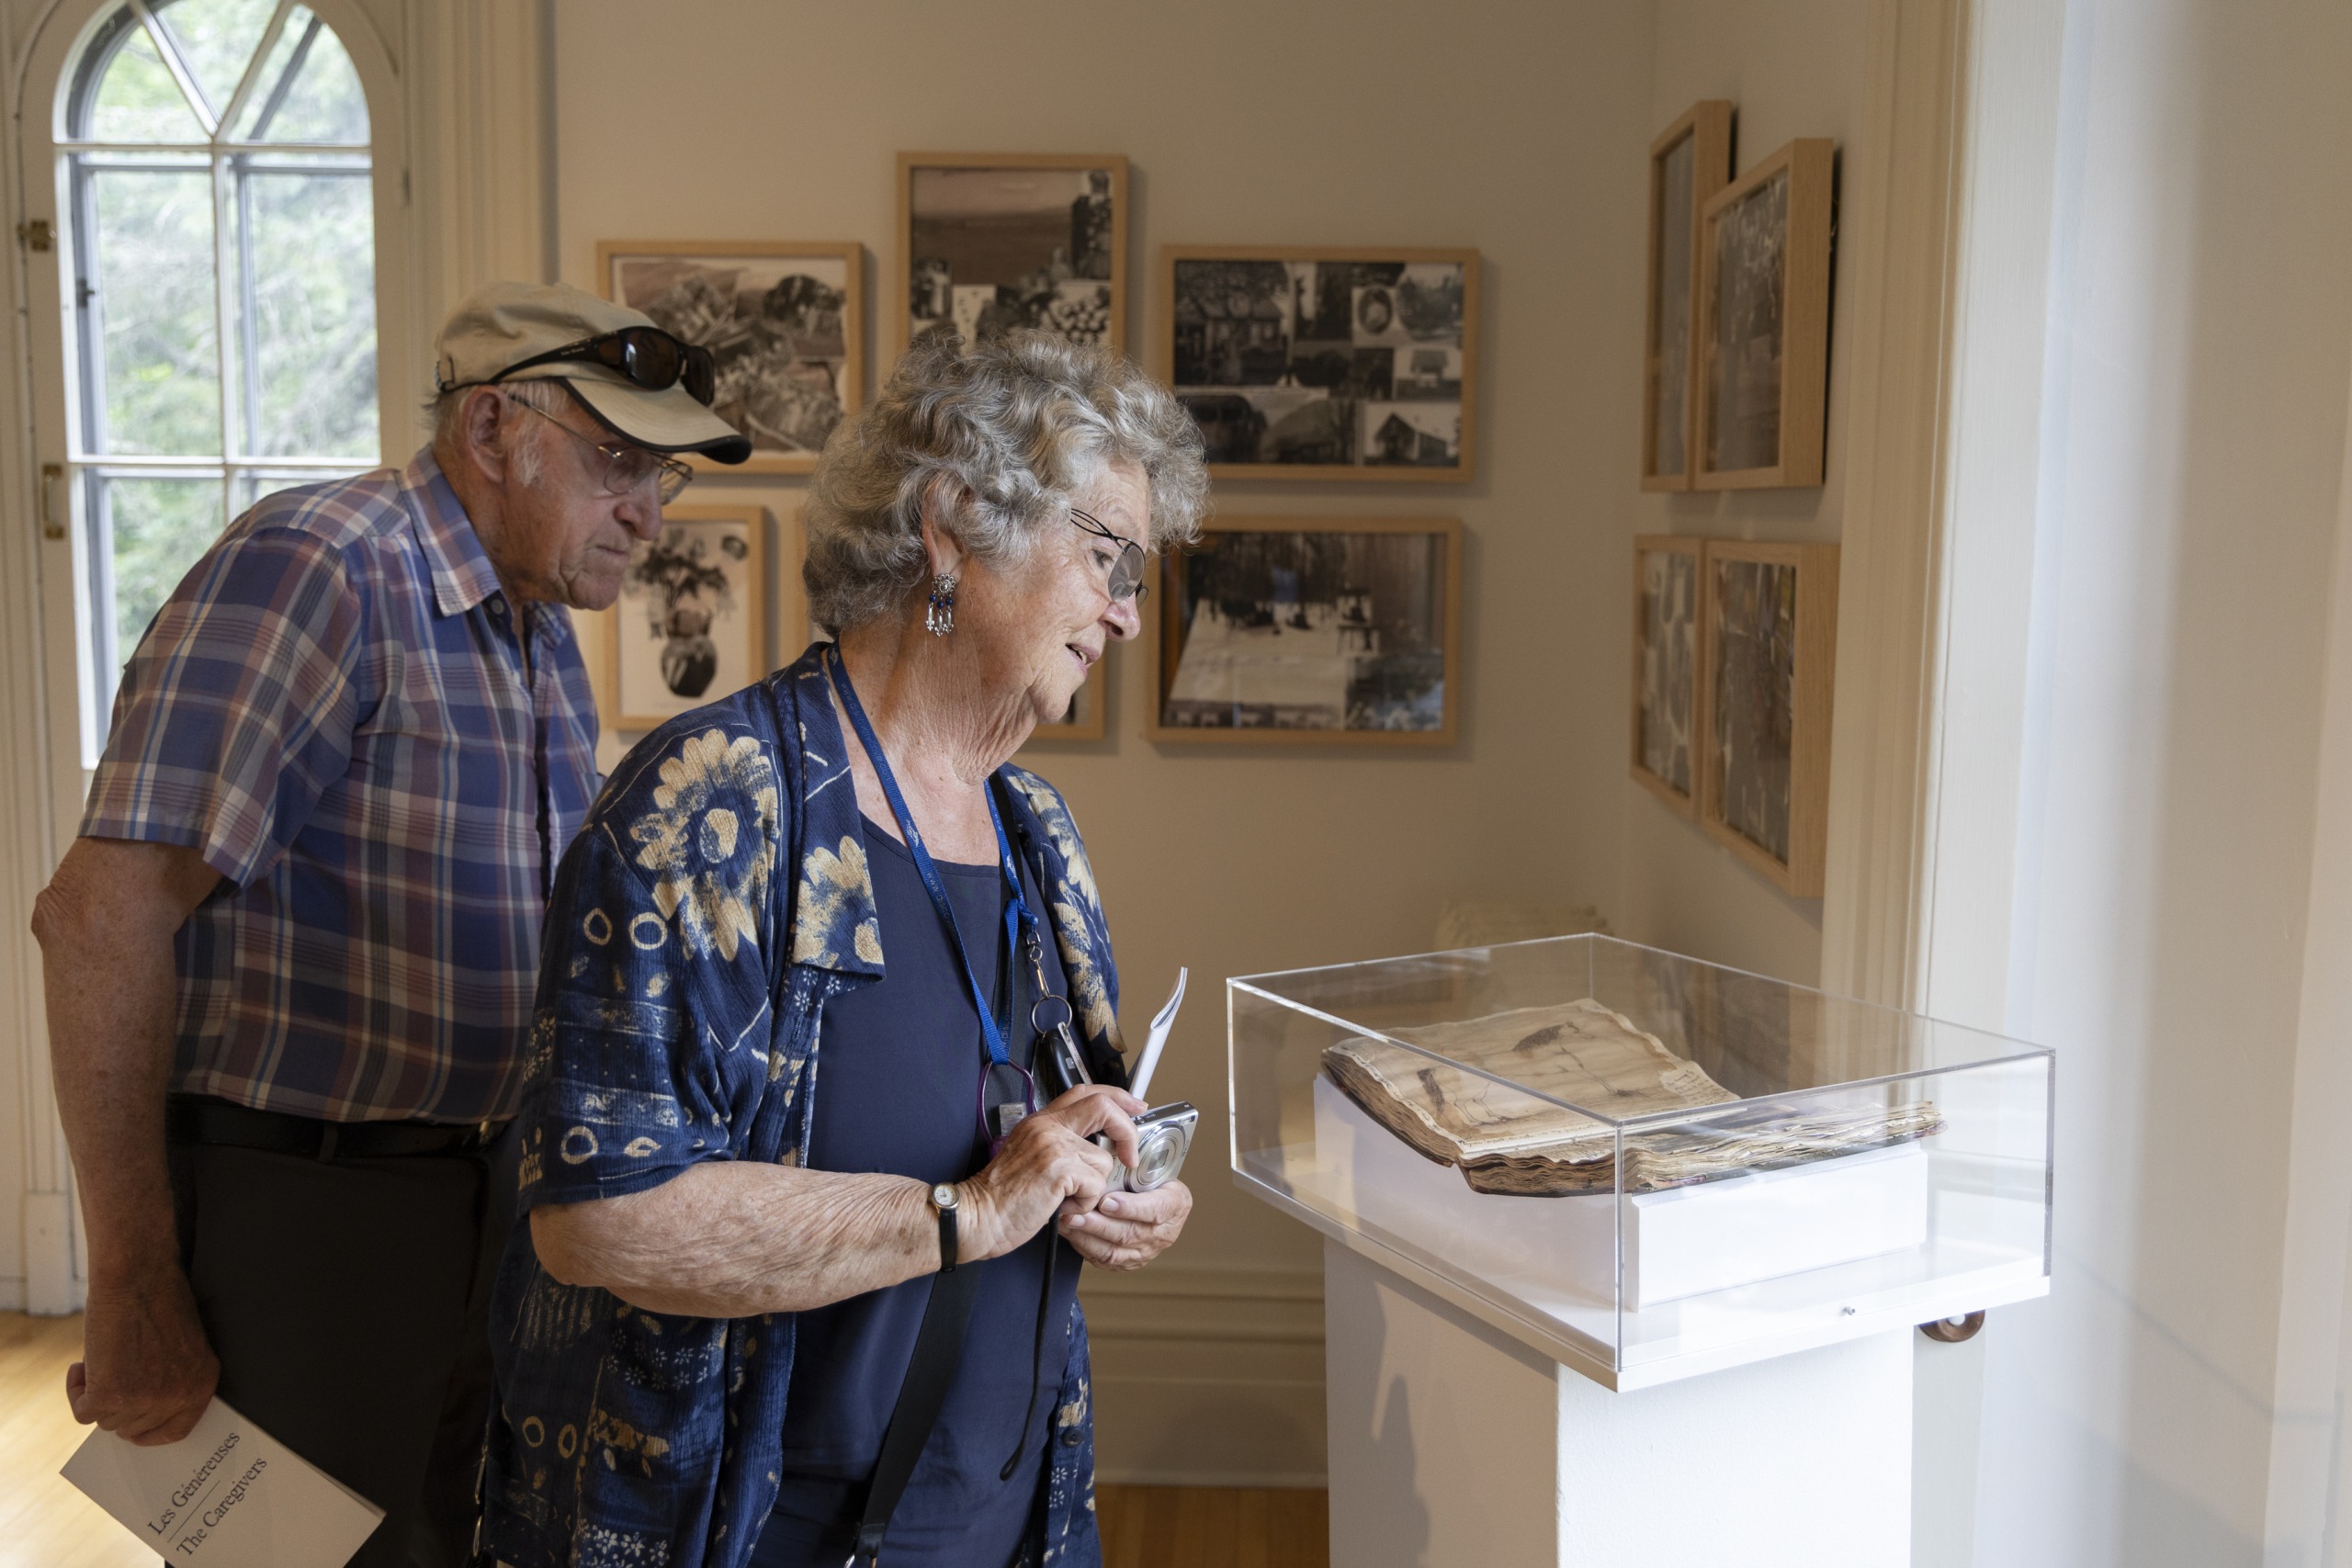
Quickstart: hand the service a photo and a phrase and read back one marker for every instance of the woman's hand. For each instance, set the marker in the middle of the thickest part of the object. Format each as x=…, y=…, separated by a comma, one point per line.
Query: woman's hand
x=1127, y=1230
x=1049, y=1165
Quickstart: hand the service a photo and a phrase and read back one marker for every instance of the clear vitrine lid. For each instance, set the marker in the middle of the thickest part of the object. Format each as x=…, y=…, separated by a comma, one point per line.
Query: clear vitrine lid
x=1644, y=1165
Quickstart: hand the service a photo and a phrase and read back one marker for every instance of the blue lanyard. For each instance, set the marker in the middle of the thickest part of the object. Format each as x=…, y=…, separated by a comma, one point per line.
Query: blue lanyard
x=1017, y=918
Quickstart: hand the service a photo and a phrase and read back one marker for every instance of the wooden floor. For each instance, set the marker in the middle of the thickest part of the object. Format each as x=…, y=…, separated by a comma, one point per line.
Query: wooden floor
x=1207, y=1526
x=44, y=1523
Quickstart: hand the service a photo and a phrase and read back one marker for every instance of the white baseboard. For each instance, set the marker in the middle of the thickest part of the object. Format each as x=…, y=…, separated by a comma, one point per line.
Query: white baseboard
x=1207, y=1377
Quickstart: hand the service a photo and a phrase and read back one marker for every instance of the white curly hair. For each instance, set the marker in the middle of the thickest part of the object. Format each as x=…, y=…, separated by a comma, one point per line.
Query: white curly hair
x=1001, y=436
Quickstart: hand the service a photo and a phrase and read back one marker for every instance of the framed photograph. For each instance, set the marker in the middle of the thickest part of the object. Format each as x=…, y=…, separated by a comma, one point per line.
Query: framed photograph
x=1764, y=322
x=1689, y=161
x=1667, y=654
x=1769, y=643
x=786, y=322
x=691, y=625
x=1323, y=362
x=990, y=241
x=1311, y=629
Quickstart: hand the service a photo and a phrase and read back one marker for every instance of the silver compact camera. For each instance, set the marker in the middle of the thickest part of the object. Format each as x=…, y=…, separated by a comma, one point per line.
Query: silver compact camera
x=1163, y=1137
x=1164, y=1132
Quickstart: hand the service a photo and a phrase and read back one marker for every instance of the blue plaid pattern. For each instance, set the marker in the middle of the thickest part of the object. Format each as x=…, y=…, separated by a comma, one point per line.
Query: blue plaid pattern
x=333, y=707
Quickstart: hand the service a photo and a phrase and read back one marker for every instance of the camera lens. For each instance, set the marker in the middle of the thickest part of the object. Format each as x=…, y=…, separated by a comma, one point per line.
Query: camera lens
x=1157, y=1160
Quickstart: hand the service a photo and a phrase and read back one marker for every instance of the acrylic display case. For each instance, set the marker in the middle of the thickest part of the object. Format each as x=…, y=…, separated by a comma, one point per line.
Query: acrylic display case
x=1827, y=1170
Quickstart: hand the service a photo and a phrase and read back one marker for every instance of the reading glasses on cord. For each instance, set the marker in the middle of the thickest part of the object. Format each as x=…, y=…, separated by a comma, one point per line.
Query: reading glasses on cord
x=1126, y=571
x=627, y=467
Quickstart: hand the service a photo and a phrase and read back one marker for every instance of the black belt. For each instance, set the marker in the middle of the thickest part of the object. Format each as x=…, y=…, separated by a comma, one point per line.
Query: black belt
x=219, y=1124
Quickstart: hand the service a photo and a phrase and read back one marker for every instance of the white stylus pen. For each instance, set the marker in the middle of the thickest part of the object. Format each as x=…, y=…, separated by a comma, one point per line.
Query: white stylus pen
x=1162, y=1023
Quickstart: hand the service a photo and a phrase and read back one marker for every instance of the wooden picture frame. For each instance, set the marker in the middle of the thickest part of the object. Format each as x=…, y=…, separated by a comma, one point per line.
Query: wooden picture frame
x=1669, y=651
x=771, y=374
x=1014, y=195
x=1764, y=257
x=790, y=624
x=1366, y=651
x=1228, y=329
x=647, y=671
x=1770, y=652
x=1090, y=717
x=1689, y=161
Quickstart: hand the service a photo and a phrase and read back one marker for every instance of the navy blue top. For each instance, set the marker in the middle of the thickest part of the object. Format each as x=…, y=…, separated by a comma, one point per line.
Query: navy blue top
x=900, y=1093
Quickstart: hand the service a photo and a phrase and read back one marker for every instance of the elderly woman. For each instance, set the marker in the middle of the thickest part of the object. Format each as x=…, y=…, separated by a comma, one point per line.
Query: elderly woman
x=764, y=1313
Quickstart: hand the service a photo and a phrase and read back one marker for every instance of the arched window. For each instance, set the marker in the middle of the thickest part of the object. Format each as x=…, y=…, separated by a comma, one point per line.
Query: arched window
x=220, y=256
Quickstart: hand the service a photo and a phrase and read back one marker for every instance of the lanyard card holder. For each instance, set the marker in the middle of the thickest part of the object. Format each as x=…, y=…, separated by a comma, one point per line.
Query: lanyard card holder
x=1059, y=1061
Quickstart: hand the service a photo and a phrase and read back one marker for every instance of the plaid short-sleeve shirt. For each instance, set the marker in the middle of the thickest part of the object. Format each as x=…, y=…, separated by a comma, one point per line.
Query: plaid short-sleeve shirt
x=335, y=710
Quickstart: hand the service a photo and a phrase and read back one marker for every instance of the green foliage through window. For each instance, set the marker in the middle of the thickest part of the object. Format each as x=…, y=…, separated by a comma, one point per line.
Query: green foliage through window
x=223, y=271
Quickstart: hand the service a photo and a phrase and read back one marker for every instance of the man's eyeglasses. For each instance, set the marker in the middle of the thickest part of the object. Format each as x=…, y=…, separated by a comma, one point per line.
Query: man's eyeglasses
x=625, y=468
x=646, y=356
x=1126, y=567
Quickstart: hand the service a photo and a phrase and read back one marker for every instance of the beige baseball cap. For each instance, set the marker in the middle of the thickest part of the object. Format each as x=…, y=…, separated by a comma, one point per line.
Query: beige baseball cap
x=501, y=325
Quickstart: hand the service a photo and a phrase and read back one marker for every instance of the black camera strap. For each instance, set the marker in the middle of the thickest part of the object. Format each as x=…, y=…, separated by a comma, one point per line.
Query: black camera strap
x=939, y=1346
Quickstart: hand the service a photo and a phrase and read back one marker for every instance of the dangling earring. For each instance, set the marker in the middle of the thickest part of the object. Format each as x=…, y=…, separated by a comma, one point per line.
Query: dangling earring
x=939, y=616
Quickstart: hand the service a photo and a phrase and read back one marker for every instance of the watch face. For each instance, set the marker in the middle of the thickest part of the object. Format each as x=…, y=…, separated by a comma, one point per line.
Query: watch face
x=944, y=1196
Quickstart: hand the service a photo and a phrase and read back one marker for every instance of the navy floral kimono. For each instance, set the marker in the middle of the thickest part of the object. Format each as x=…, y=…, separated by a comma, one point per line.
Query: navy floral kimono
x=718, y=896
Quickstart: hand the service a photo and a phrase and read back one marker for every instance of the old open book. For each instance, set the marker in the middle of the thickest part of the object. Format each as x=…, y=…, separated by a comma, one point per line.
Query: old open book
x=1505, y=1140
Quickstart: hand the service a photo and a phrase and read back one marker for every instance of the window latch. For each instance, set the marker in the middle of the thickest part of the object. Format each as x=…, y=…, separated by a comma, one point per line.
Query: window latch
x=36, y=234
x=52, y=527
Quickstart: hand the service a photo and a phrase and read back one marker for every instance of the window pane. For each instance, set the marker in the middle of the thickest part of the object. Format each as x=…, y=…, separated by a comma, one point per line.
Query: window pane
x=251, y=484
x=311, y=300
x=138, y=100
x=156, y=529
x=216, y=39
x=159, y=365
x=315, y=95
x=270, y=85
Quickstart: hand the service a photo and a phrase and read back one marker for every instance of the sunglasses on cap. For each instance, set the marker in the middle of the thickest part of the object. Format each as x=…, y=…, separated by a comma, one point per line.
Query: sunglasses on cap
x=645, y=357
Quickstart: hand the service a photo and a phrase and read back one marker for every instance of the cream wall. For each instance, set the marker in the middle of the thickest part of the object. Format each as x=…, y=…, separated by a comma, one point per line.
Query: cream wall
x=1793, y=68
x=1517, y=129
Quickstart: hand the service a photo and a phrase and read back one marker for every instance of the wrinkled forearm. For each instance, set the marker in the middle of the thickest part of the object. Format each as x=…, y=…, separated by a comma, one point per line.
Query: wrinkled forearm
x=728, y=1239
x=105, y=925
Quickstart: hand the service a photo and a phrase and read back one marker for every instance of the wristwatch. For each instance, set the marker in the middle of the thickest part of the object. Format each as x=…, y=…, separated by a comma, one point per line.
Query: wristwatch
x=943, y=1198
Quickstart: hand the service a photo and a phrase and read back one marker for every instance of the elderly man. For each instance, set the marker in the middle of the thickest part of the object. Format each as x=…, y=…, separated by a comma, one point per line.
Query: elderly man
x=289, y=961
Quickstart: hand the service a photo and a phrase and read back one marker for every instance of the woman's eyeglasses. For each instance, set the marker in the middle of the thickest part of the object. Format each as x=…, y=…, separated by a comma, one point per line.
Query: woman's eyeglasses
x=1126, y=567
x=626, y=469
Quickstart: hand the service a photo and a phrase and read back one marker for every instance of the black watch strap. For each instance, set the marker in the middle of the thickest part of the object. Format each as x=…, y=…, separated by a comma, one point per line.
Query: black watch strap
x=943, y=1200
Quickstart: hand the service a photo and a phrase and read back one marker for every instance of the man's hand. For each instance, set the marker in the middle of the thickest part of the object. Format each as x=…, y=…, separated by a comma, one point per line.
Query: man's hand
x=1049, y=1165
x=147, y=1371
x=1127, y=1230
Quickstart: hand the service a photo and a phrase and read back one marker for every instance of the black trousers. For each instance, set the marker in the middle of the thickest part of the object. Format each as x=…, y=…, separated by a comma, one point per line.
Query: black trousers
x=349, y=1302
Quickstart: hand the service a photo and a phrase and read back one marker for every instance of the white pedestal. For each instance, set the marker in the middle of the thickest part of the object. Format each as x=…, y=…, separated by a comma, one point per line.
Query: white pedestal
x=1455, y=1446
